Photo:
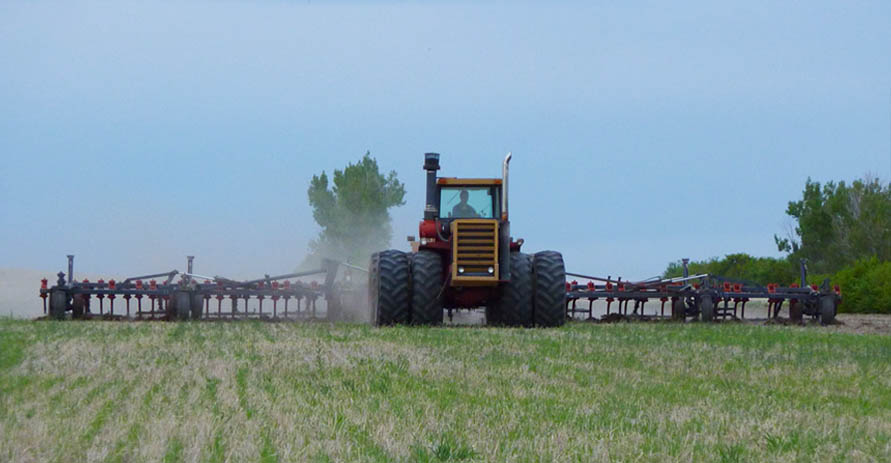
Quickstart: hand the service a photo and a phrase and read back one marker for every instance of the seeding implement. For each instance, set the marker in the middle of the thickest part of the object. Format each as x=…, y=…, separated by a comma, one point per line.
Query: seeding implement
x=210, y=298
x=465, y=258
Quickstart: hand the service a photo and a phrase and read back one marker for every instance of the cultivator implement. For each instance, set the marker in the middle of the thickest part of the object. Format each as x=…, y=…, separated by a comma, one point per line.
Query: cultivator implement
x=706, y=297
x=186, y=295
x=180, y=296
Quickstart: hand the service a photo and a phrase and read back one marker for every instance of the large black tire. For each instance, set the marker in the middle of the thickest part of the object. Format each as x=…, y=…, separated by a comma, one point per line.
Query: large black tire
x=678, y=310
x=58, y=303
x=828, y=306
x=426, y=278
x=391, y=293
x=197, y=306
x=170, y=308
x=549, y=275
x=515, y=304
x=707, y=308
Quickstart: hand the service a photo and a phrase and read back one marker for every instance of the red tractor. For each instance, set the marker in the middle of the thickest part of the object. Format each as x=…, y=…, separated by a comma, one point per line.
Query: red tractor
x=467, y=259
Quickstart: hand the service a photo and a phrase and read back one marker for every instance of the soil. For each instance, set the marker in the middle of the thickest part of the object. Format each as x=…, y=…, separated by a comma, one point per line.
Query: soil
x=862, y=323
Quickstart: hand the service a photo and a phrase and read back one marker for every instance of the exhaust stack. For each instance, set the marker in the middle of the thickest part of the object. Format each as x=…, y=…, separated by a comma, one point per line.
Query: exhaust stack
x=504, y=230
x=504, y=172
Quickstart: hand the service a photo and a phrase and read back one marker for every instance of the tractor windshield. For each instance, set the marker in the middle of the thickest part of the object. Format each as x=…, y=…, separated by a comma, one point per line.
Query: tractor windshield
x=467, y=202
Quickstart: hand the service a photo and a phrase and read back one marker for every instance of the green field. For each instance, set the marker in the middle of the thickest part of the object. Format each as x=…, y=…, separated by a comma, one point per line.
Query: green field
x=252, y=391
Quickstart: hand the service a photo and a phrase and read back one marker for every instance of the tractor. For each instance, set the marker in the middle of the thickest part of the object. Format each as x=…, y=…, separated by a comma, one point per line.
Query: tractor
x=466, y=259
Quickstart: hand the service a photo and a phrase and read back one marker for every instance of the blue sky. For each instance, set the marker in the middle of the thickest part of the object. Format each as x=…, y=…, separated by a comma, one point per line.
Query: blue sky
x=133, y=134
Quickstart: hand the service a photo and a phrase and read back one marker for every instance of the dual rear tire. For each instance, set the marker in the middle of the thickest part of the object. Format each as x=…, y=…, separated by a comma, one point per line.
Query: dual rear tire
x=407, y=288
x=536, y=293
x=549, y=299
x=389, y=288
x=426, y=294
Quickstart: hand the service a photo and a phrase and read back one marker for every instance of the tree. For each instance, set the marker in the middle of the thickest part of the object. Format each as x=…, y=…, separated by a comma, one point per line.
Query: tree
x=837, y=224
x=354, y=211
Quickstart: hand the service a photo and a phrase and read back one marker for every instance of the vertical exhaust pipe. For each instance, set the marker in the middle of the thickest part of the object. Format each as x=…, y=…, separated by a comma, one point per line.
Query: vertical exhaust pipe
x=504, y=172
x=504, y=232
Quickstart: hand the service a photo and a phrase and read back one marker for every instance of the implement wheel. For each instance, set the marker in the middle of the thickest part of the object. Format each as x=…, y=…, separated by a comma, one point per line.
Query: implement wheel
x=80, y=306
x=170, y=308
x=426, y=277
x=389, y=288
x=197, y=306
x=796, y=312
x=180, y=304
x=58, y=304
x=678, y=309
x=828, y=307
x=707, y=308
x=515, y=305
x=549, y=289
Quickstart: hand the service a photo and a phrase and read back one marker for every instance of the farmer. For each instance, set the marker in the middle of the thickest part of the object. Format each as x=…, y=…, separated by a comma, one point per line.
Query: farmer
x=463, y=209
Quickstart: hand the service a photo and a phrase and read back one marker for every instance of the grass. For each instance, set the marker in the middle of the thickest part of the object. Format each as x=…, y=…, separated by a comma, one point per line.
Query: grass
x=250, y=391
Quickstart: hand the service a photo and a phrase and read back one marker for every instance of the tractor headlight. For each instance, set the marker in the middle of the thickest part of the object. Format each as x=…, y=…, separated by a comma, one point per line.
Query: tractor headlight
x=460, y=269
x=491, y=270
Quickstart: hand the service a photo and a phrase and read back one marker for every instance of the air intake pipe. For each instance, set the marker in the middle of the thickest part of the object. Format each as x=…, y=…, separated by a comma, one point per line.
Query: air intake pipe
x=431, y=165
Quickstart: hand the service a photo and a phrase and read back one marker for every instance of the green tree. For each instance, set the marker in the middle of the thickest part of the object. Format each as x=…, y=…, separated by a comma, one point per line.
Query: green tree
x=838, y=224
x=354, y=211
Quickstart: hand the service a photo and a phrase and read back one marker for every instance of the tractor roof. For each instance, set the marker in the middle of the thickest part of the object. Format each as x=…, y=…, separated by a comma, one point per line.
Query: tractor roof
x=467, y=181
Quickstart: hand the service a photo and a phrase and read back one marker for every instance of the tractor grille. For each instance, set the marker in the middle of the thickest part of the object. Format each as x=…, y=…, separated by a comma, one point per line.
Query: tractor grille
x=475, y=249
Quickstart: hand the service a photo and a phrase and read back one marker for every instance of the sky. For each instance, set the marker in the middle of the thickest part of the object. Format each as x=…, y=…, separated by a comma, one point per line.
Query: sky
x=134, y=134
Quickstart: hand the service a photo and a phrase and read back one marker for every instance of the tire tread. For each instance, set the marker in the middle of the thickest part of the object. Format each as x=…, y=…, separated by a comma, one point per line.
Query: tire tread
x=426, y=301
x=549, y=277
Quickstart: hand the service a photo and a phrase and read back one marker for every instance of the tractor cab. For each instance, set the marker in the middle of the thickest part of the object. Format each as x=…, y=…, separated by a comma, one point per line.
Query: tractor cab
x=469, y=198
x=464, y=221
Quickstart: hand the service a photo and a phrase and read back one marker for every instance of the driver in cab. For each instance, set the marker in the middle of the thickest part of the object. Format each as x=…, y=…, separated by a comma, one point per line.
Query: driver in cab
x=463, y=209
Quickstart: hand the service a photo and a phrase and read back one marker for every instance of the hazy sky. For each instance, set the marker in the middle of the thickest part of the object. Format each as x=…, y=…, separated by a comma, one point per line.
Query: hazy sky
x=133, y=134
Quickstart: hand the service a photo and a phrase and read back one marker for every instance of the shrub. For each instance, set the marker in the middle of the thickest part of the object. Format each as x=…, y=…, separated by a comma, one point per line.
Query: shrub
x=865, y=286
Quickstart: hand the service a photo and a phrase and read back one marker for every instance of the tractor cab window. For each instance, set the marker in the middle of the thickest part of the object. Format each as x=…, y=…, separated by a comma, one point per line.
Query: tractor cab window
x=467, y=202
